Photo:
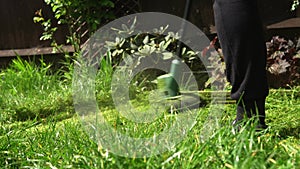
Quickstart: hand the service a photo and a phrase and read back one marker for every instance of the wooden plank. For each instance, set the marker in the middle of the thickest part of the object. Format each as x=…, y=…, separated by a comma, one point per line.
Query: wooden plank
x=33, y=51
x=288, y=23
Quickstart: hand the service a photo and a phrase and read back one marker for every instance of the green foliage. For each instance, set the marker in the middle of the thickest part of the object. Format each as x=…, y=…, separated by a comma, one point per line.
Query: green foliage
x=295, y=5
x=65, y=144
x=49, y=31
x=29, y=91
x=84, y=15
x=104, y=77
x=217, y=66
x=161, y=46
x=157, y=45
x=218, y=78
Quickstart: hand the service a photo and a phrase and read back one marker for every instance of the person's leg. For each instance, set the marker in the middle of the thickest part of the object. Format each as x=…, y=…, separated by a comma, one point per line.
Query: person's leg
x=254, y=110
x=243, y=109
x=261, y=114
x=242, y=41
x=241, y=37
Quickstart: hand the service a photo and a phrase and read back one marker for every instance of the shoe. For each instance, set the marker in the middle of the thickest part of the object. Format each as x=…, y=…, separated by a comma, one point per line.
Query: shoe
x=261, y=127
x=237, y=125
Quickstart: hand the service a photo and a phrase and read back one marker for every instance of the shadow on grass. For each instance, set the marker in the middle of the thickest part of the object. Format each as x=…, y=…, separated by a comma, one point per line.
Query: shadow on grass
x=290, y=132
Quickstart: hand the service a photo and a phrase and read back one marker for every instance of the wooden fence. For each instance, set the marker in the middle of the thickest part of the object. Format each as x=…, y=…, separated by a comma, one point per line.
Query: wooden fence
x=17, y=30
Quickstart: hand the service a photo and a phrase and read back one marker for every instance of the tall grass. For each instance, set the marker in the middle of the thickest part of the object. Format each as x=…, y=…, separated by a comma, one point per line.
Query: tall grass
x=28, y=91
x=33, y=92
x=66, y=145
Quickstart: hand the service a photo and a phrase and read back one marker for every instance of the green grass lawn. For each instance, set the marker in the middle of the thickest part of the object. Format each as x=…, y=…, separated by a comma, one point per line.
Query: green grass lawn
x=39, y=129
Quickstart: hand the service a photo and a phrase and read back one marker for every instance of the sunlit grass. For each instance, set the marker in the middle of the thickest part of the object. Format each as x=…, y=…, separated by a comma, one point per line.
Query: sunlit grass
x=58, y=139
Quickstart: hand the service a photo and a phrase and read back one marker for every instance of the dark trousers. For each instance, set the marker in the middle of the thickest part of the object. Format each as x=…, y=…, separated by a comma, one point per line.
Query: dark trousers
x=241, y=36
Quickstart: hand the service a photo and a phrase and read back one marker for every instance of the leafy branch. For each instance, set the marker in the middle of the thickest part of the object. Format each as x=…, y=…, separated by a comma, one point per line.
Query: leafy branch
x=81, y=17
x=295, y=5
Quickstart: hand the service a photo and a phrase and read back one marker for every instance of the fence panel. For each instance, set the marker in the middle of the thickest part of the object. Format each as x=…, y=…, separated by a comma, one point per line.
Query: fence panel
x=17, y=30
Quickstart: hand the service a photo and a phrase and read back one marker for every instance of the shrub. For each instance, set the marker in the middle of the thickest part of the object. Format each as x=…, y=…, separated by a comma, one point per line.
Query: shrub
x=80, y=16
x=295, y=5
x=161, y=46
x=283, y=63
